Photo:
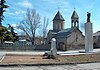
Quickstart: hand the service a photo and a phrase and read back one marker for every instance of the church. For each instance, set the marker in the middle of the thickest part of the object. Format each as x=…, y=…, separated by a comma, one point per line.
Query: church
x=69, y=38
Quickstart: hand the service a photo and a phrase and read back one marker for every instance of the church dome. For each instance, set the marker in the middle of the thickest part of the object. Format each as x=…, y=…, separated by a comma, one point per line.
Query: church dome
x=58, y=17
x=74, y=15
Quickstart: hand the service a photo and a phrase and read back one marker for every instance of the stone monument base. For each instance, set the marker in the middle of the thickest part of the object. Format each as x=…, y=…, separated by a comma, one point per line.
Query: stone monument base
x=88, y=37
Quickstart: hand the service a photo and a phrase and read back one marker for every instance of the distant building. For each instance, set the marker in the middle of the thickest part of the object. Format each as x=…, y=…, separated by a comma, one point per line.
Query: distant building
x=96, y=39
x=67, y=39
x=8, y=42
x=24, y=39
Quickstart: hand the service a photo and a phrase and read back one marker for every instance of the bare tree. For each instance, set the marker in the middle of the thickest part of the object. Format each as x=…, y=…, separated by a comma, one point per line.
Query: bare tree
x=30, y=24
x=44, y=30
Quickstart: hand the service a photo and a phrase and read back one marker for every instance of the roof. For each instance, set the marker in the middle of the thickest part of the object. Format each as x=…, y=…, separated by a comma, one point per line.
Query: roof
x=74, y=14
x=52, y=32
x=58, y=16
x=9, y=42
x=96, y=34
x=63, y=33
x=66, y=32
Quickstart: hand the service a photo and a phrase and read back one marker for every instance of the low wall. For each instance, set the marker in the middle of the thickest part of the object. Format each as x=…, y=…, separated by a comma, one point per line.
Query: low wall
x=25, y=47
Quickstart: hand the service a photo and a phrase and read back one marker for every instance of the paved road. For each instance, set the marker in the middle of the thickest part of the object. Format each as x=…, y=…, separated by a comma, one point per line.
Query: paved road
x=90, y=66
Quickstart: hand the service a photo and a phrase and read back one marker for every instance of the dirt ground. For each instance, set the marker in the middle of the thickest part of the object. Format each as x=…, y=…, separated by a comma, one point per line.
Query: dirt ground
x=40, y=59
x=26, y=59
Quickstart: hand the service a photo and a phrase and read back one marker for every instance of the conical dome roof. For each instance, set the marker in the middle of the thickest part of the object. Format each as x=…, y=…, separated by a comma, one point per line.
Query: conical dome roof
x=58, y=17
x=74, y=15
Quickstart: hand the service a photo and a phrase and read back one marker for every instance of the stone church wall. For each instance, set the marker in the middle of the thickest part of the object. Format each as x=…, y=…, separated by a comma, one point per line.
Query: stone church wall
x=75, y=41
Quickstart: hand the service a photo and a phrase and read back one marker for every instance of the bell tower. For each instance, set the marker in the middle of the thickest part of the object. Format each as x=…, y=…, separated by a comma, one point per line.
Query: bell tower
x=58, y=22
x=74, y=19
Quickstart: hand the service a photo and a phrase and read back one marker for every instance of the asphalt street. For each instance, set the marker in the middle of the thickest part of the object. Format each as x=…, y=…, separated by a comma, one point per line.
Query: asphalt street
x=90, y=66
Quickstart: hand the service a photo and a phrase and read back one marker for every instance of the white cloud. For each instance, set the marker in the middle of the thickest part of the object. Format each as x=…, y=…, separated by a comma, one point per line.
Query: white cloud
x=14, y=25
x=7, y=10
x=16, y=12
x=19, y=31
x=23, y=12
x=26, y=4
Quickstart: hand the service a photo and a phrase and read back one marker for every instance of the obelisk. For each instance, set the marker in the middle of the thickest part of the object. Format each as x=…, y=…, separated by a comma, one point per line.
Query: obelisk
x=88, y=35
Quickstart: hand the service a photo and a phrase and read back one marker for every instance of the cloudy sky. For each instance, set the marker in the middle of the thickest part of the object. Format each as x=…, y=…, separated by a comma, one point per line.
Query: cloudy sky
x=17, y=8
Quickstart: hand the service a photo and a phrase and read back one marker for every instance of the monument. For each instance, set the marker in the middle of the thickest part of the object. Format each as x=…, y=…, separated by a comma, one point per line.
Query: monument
x=88, y=34
x=53, y=51
x=53, y=47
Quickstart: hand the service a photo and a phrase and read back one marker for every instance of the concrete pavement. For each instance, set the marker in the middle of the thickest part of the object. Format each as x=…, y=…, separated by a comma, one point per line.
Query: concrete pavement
x=2, y=54
x=21, y=52
x=73, y=52
x=89, y=66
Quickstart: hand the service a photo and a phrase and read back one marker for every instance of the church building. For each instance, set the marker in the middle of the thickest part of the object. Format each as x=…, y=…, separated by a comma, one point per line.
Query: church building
x=69, y=38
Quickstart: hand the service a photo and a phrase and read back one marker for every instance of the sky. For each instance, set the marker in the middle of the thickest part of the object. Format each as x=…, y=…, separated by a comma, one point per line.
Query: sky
x=17, y=9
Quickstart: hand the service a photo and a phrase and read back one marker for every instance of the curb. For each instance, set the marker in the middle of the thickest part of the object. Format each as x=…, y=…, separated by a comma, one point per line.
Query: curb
x=16, y=65
x=51, y=64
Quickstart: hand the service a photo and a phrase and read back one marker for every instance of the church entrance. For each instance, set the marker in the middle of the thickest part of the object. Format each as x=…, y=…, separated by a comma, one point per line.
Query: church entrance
x=61, y=46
